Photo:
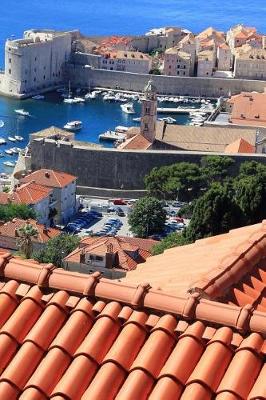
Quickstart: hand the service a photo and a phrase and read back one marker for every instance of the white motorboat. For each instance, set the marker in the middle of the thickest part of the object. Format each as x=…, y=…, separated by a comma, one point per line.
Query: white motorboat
x=73, y=125
x=2, y=155
x=9, y=152
x=2, y=141
x=109, y=97
x=9, y=164
x=12, y=139
x=90, y=96
x=128, y=108
x=1, y=124
x=38, y=97
x=22, y=112
x=138, y=119
x=112, y=136
x=168, y=120
x=121, y=129
x=79, y=99
x=15, y=150
x=19, y=138
x=69, y=100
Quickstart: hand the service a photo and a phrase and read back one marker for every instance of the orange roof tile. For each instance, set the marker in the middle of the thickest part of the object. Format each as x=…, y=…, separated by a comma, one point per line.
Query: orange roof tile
x=8, y=229
x=137, y=142
x=122, y=246
x=78, y=337
x=28, y=193
x=49, y=178
x=240, y=146
x=248, y=109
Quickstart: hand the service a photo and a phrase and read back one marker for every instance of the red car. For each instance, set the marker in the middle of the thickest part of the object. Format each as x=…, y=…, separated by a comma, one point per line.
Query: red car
x=119, y=202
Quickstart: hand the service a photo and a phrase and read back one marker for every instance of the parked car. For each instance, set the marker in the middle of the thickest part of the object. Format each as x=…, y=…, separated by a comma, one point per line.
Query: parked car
x=120, y=212
x=119, y=202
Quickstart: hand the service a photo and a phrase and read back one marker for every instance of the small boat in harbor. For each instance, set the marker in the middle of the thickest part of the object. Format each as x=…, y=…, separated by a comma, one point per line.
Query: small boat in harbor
x=2, y=154
x=79, y=100
x=9, y=152
x=22, y=112
x=73, y=126
x=168, y=120
x=2, y=141
x=19, y=138
x=138, y=119
x=1, y=124
x=16, y=150
x=12, y=138
x=121, y=129
x=128, y=108
x=9, y=164
x=38, y=97
x=112, y=136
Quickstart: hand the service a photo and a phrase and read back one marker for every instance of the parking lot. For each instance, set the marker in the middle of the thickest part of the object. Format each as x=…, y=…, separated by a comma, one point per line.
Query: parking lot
x=102, y=217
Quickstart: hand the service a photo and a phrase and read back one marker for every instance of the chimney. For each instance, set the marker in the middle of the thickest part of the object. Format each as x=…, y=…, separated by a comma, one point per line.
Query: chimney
x=82, y=257
x=109, y=256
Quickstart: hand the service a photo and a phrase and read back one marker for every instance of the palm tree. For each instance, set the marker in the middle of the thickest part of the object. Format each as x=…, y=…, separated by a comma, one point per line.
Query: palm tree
x=26, y=233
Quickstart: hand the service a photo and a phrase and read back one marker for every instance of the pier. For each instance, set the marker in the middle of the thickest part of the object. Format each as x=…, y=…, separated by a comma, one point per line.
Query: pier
x=178, y=110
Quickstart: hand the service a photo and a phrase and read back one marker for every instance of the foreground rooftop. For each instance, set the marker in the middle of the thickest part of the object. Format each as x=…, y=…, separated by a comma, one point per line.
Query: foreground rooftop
x=72, y=336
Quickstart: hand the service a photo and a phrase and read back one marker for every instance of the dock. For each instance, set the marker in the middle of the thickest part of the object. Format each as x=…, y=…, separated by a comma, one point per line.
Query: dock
x=178, y=110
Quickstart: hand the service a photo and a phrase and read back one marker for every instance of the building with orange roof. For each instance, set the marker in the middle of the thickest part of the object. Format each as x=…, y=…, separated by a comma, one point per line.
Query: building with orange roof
x=250, y=63
x=126, y=61
x=66, y=335
x=112, y=256
x=224, y=57
x=9, y=233
x=63, y=187
x=239, y=35
x=240, y=146
x=38, y=197
x=206, y=63
x=248, y=108
x=178, y=62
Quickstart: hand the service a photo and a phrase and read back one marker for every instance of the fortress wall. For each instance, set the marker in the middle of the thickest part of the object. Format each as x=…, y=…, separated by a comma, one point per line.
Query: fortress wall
x=111, y=168
x=186, y=86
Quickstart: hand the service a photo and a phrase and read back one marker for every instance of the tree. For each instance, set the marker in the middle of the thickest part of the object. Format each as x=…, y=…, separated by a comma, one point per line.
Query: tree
x=252, y=168
x=155, y=71
x=215, y=168
x=56, y=249
x=25, y=236
x=12, y=210
x=147, y=217
x=182, y=180
x=173, y=240
x=215, y=212
x=250, y=195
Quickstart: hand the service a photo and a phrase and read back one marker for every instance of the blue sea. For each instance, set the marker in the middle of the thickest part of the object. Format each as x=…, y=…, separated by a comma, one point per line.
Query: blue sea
x=104, y=17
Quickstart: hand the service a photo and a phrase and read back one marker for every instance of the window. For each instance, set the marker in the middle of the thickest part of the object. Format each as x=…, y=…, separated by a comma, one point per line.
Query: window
x=9, y=71
x=9, y=60
x=34, y=79
x=147, y=110
x=98, y=258
x=44, y=77
x=146, y=127
x=35, y=59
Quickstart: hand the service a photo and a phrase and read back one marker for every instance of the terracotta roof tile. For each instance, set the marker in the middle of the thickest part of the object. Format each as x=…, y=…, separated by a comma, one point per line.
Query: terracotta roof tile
x=240, y=146
x=248, y=109
x=49, y=178
x=28, y=193
x=79, y=336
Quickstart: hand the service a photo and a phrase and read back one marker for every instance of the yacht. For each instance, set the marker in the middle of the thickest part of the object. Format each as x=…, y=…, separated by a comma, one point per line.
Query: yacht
x=12, y=138
x=38, y=97
x=169, y=120
x=73, y=126
x=79, y=100
x=109, y=97
x=9, y=152
x=9, y=164
x=121, y=129
x=128, y=108
x=22, y=112
x=1, y=124
x=19, y=138
x=138, y=119
x=68, y=99
x=91, y=95
x=2, y=141
x=112, y=136
x=15, y=150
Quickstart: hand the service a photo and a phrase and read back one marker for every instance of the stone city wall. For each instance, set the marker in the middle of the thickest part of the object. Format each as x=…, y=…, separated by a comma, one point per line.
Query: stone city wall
x=172, y=85
x=110, y=168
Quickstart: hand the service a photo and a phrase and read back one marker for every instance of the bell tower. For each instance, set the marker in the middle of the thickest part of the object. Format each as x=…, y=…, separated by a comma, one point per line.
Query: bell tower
x=149, y=112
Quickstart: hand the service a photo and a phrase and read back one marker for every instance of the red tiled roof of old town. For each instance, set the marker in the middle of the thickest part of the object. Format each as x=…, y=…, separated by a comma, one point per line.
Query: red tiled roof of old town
x=9, y=229
x=248, y=109
x=123, y=246
x=137, y=142
x=72, y=336
x=49, y=178
x=28, y=193
x=240, y=146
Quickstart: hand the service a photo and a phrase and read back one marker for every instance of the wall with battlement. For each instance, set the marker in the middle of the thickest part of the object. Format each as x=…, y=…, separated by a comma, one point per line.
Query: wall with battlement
x=185, y=86
x=111, y=168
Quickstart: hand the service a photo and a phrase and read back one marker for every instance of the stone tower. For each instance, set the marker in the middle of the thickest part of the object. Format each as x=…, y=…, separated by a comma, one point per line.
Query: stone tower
x=149, y=112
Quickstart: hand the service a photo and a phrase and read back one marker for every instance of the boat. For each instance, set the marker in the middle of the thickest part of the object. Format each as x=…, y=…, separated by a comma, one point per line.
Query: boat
x=9, y=152
x=38, y=97
x=22, y=112
x=90, y=96
x=9, y=164
x=128, y=108
x=1, y=124
x=168, y=120
x=112, y=136
x=109, y=97
x=12, y=139
x=15, y=150
x=19, y=138
x=73, y=125
x=138, y=119
x=1, y=155
x=2, y=141
x=79, y=100
x=121, y=129
x=69, y=99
